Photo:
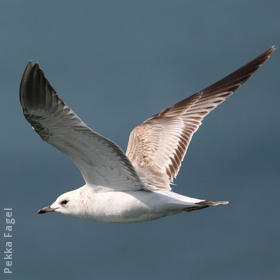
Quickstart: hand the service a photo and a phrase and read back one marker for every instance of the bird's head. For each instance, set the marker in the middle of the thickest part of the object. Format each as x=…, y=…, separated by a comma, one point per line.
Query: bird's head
x=65, y=204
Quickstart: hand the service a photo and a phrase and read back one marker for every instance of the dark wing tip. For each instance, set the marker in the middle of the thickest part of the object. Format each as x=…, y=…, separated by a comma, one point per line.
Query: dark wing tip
x=25, y=80
x=34, y=88
x=29, y=64
x=38, y=99
x=271, y=49
x=265, y=55
x=226, y=85
x=234, y=80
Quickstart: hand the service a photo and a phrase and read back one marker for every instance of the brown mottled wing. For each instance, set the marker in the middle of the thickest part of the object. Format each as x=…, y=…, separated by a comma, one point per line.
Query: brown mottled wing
x=157, y=147
x=101, y=162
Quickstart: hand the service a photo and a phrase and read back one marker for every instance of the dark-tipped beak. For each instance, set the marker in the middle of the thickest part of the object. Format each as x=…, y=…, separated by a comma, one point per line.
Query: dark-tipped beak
x=46, y=210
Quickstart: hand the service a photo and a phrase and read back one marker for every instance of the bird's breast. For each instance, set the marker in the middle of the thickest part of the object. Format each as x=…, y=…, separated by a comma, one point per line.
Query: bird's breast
x=126, y=207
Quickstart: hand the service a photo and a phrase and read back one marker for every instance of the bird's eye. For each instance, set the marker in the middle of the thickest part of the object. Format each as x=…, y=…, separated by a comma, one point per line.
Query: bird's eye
x=64, y=202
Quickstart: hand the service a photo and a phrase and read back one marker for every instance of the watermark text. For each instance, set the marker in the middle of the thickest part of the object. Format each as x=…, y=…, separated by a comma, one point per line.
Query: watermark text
x=8, y=234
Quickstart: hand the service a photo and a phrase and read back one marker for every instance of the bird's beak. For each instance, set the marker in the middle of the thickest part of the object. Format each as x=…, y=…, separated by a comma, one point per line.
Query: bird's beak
x=46, y=210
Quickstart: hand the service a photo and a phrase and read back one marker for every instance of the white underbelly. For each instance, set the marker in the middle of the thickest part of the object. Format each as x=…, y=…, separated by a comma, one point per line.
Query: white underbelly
x=136, y=206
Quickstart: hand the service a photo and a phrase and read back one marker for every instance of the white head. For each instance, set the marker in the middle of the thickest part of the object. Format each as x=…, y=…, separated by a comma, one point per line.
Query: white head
x=67, y=203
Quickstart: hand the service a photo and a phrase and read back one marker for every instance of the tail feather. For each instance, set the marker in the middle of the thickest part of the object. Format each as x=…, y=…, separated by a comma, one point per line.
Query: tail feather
x=204, y=204
x=211, y=203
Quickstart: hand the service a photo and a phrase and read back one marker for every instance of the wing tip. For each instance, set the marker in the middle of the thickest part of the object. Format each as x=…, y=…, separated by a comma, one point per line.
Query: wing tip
x=29, y=63
x=268, y=52
x=266, y=55
x=238, y=77
x=30, y=66
x=272, y=49
x=23, y=81
x=30, y=84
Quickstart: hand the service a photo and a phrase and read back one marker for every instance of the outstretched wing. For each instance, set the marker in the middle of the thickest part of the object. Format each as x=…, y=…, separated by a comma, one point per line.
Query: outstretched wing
x=101, y=162
x=157, y=147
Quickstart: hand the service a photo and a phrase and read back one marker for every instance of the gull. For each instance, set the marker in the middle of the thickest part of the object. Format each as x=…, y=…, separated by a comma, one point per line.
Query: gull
x=133, y=186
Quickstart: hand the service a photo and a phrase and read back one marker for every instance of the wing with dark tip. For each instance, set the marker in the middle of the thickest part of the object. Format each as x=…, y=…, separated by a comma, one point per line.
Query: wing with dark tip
x=101, y=162
x=157, y=147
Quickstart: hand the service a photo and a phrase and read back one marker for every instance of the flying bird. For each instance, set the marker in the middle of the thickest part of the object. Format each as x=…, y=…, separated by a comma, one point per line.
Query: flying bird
x=133, y=186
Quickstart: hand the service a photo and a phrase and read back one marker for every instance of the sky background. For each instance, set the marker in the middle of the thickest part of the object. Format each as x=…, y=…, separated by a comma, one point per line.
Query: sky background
x=116, y=63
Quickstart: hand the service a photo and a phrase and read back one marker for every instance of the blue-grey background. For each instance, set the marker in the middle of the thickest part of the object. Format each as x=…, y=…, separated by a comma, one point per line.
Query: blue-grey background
x=116, y=63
